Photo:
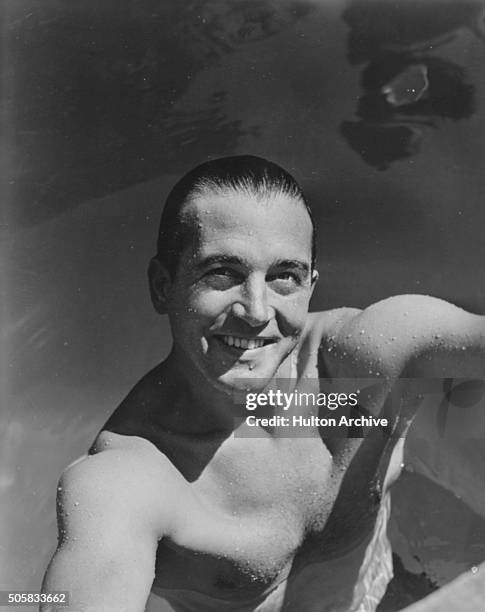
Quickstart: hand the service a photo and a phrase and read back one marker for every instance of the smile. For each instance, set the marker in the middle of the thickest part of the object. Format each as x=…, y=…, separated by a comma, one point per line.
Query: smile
x=244, y=343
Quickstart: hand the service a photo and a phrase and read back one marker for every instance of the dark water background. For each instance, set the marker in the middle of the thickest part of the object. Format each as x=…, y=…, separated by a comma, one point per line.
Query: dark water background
x=378, y=109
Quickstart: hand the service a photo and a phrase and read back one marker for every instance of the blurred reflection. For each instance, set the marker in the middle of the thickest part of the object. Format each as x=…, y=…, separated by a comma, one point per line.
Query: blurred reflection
x=462, y=395
x=404, y=88
x=378, y=26
x=98, y=92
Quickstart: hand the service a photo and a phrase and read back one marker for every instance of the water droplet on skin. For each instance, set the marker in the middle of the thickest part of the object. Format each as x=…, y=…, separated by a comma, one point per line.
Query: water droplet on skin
x=362, y=331
x=357, y=347
x=463, y=348
x=251, y=366
x=76, y=503
x=59, y=488
x=437, y=336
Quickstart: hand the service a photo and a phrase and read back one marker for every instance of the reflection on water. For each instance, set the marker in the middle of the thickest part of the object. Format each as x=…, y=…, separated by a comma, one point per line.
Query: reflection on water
x=404, y=94
x=404, y=87
x=99, y=92
x=379, y=26
x=463, y=395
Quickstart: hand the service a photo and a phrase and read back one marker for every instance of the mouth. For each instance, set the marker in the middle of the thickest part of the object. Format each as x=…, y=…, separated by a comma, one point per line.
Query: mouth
x=241, y=343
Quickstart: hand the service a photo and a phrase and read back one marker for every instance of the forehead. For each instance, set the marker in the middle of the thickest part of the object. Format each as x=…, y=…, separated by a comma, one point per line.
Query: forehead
x=237, y=222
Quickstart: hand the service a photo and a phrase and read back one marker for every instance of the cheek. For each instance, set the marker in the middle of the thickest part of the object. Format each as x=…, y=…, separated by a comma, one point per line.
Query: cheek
x=295, y=312
x=199, y=308
x=209, y=304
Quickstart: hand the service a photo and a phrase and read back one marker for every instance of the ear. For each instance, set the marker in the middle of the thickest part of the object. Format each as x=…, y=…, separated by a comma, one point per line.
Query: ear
x=315, y=276
x=160, y=284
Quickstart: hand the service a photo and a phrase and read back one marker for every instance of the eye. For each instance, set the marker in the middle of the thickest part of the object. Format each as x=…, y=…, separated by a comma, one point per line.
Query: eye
x=285, y=281
x=285, y=276
x=221, y=278
x=288, y=276
x=221, y=272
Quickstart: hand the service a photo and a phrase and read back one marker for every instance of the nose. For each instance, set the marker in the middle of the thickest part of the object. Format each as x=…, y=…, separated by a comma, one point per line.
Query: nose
x=252, y=305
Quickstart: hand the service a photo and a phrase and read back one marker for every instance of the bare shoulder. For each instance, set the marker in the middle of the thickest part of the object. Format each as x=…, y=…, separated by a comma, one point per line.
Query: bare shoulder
x=413, y=309
x=112, y=511
x=407, y=308
x=122, y=477
x=328, y=323
x=418, y=323
x=391, y=334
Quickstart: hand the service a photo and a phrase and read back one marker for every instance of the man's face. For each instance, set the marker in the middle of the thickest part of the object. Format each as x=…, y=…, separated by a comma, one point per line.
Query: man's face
x=239, y=299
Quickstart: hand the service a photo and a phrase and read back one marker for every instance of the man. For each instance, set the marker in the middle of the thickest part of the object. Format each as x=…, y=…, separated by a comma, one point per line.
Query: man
x=179, y=495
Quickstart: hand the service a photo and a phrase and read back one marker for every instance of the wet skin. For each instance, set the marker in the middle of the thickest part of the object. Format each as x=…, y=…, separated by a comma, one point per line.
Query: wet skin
x=170, y=496
x=246, y=273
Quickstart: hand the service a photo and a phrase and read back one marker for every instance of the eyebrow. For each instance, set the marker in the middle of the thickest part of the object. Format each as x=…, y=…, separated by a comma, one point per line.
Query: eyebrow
x=220, y=259
x=293, y=264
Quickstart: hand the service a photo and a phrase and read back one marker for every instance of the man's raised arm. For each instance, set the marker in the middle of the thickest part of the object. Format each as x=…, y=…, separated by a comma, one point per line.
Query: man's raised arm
x=449, y=342
x=108, y=530
x=420, y=336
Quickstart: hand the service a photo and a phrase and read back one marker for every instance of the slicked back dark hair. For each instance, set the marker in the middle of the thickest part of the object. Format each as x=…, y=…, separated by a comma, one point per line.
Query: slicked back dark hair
x=246, y=173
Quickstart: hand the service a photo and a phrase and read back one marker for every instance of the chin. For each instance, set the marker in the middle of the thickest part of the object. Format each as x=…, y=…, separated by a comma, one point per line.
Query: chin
x=245, y=381
x=250, y=371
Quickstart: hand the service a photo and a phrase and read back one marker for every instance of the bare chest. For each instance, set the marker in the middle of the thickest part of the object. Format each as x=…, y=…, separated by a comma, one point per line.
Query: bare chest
x=250, y=511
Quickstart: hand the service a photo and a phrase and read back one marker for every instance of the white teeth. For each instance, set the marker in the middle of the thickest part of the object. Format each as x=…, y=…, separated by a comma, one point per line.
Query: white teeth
x=245, y=343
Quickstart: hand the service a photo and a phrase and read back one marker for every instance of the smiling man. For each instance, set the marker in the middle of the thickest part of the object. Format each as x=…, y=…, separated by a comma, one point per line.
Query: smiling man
x=178, y=495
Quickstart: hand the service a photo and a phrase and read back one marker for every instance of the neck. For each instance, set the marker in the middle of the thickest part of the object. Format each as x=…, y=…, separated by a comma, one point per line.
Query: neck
x=198, y=406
